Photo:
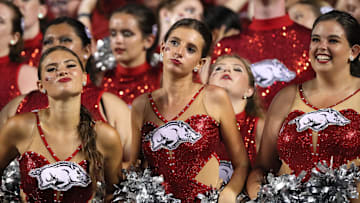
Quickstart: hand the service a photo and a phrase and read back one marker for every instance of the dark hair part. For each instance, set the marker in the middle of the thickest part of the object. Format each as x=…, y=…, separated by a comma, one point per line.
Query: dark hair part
x=16, y=24
x=146, y=21
x=85, y=127
x=217, y=16
x=82, y=32
x=253, y=105
x=199, y=26
x=352, y=30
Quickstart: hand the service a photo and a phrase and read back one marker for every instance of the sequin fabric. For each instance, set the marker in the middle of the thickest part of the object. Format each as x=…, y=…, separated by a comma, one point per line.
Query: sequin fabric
x=129, y=83
x=9, y=83
x=32, y=50
x=181, y=165
x=342, y=143
x=247, y=126
x=278, y=38
x=90, y=99
x=32, y=160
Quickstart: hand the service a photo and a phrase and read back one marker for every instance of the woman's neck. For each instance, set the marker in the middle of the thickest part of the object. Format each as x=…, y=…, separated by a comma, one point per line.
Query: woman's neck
x=141, y=59
x=65, y=114
x=31, y=32
x=266, y=9
x=330, y=81
x=238, y=104
x=176, y=88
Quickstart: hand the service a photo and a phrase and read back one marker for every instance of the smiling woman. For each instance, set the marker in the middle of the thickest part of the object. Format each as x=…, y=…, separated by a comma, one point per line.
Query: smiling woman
x=62, y=135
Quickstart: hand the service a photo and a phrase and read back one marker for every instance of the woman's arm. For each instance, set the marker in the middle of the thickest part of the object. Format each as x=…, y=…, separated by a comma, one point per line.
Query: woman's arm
x=218, y=104
x=109, y=144
x=118, y=116
x=268, y=158
x=9, y=109
x=137, y=117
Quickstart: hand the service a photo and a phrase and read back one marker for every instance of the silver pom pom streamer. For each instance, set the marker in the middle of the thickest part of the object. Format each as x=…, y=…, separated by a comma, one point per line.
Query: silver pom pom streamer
x=211, y=196
x=10, y=187
x=104, y=58
x=325, y=185
x=141, y=187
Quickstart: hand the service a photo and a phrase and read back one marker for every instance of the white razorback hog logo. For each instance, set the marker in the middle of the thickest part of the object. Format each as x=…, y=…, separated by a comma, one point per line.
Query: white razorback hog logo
x=319, y=120
x=60, y=176
x=171, y=135
x=268, y=71
x=225, y=170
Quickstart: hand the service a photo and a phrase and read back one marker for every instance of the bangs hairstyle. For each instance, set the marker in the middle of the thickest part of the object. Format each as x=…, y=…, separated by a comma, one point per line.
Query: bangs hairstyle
x=253, y=106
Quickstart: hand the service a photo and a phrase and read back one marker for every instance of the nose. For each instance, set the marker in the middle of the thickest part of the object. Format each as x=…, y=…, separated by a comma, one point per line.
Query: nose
x=119, y=38
x=62, y=71
x=179, y=51
x=227, y=69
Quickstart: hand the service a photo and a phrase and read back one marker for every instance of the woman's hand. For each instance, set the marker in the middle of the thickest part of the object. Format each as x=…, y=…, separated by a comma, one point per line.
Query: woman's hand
x=227, y=196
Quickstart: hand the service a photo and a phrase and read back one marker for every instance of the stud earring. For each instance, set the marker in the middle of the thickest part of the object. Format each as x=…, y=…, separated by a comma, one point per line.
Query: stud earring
x=43, y=91
x=40, y=16
x=244, y=97
x=84, y=83
x=196, y=69
x=85, y=56
x=351, y=58
x=12, y=42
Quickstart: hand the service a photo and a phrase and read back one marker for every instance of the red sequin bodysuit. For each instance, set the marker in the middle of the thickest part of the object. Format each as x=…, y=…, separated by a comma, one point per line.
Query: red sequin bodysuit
x=338, y=134
x=179, y=149
x=30, y=185
x=9, y=88
x=129, y=83
x=32, y=50
x=278, y=49
x=90, y=99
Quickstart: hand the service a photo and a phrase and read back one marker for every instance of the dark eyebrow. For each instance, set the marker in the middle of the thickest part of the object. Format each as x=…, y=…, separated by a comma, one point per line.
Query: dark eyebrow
x=334, y=36
x=70, y=60
x=51, y=64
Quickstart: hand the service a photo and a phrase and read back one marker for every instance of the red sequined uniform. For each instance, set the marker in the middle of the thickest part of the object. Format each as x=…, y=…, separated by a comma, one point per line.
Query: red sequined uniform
x=128, y=83
x=338, y=142
x=32, y=160
x=180, y=165
x=32, y=50
x=90, y=99
x=278, y=38
x=9, y=88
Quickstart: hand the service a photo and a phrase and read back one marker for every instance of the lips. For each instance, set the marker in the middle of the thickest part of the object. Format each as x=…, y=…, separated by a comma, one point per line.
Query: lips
x=119, y=50
x=64, y=79
x=226, y=77
x=323, y=58
x=175, y=61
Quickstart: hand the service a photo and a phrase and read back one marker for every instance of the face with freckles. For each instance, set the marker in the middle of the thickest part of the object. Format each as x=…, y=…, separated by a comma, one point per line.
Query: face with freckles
x=231, y=74
x=329, y=47
x=182, y=50
x=61, y=74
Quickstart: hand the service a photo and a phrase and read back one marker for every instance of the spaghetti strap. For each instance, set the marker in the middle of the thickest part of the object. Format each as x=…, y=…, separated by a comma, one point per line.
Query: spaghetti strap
x=158, y=114
x=46, y=143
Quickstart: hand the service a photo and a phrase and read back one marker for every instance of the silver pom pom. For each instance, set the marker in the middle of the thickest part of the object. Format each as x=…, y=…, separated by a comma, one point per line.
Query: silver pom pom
x=141, y=187
x=10, y=187
x=104, y=58
x=211, y=196
x=325, y=185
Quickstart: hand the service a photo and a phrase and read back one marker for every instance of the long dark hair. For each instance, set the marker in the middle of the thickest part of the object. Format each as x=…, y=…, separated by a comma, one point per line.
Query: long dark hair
x=199, y=26
x=146, y=21
x=17, y=22
x=352, y=30
x=85, y=127
x=82, y=32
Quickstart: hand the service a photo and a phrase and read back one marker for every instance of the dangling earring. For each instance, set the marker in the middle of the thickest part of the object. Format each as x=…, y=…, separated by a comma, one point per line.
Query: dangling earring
x=244, y=97
x=84, y=83
x=351, y=58
x=40, y=16
x=196, y=69
x=43, y=91
x=12, y=42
